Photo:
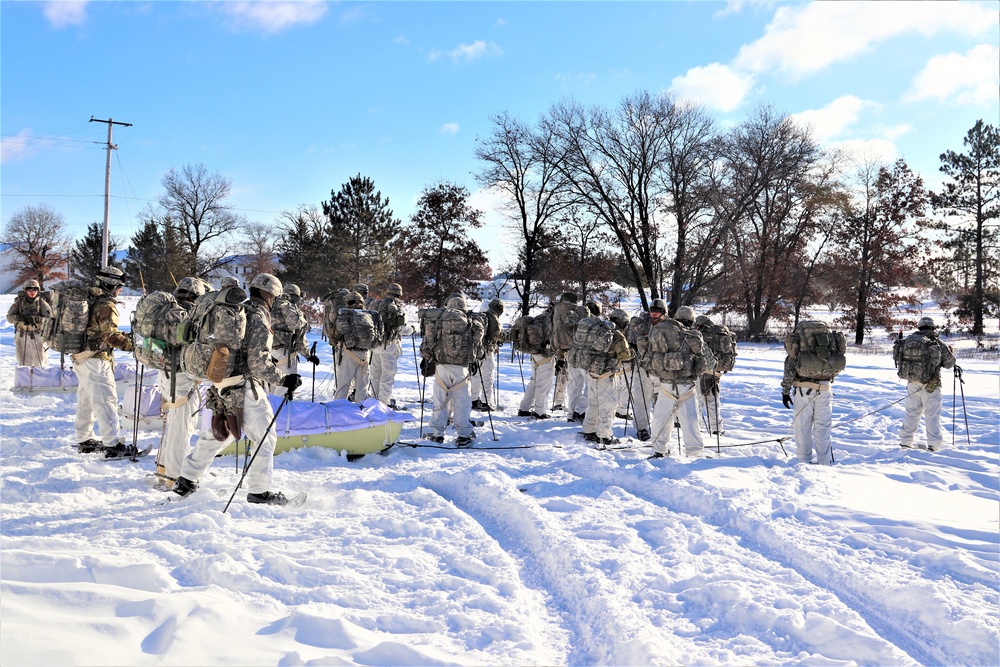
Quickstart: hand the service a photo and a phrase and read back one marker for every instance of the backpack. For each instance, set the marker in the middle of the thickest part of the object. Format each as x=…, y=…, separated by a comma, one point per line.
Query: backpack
x=451, y=337
x=212, y=337
x=565, y=317
x=289, y=325
x=357, y=329
x=675, y=353
x=66, y=330
x=917, y=358
x=390, y=312
x=154, y=329
x=819, y=354
x=492, y=332
x=531, y=335
x=722, y=341
x=591, y=349
x=333, y=303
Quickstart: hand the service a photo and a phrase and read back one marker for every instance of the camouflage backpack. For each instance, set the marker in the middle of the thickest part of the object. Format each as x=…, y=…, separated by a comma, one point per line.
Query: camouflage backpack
x=591, y=349
x=289, y=325
x=212, y=336
x=819, y=353
x=451, y=337
x=917, y=358
x=722, y=341
x=565, y=316
x=154, y=330
x=492, y=333
x=333, y=303
x=390, y=312
x=676, y=353
x=357, y=329
x=66, y=330
x=532, y=335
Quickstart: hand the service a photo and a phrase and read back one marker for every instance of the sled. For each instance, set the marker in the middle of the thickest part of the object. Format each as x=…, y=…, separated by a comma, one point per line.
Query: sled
x=30, y=379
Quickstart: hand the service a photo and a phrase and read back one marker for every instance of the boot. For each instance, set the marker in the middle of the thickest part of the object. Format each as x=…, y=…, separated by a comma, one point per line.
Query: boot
x=436, y=438
x=590, y=437
x=463, y=441
x=120, y=450
x=184, y=487
x=642, y=435
x=524, y=413
x=90, y=446
x=267, y=498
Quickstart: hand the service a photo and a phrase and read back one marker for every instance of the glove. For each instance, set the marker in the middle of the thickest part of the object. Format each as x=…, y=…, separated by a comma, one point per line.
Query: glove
x=427, y=367
x=21, y=326
x=291, y=382
x=473, y=368
x=786, y=400
x=313, y=359
x=560, y=365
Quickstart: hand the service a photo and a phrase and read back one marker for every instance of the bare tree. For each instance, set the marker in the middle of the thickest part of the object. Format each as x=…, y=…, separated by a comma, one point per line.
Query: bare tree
x=521, y=164
x=37, y=234
x=196, y=202
x=261, y=242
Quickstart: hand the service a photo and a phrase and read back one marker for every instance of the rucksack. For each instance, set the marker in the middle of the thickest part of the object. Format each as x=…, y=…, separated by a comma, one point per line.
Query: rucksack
x=390, y=312
x=722, y=341
x=154, y=330
x=449, y=336
x=212, y=337
x=289, y=325
x=66, y=330
x=565, y=317
x=591, y=349
x=531, y=335
x=819, y=354
x=917, y=358
x=333, y=303
x=357, y=329
x=492, y=332
x=676, y=353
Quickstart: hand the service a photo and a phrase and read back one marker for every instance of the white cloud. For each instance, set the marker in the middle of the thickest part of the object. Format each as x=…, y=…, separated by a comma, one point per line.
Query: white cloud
x=65, y=13
x=835, y=117
x=273, y=16
x=468, y=52
x=13, y=147
x=972, y=78
x=499, y=23
x=716, y=85
x=873, y=150
x=896, y=131
x=802, y=39
x=449, y=128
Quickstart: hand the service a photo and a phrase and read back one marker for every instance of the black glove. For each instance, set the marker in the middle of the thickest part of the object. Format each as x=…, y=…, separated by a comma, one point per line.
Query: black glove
x=427, y=367
x=473, y=368
x=313, y=359
x=560, y=365
x=291, y=382
x=786, y=400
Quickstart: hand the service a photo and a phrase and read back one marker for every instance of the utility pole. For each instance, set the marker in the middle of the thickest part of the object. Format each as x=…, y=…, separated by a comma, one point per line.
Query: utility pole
x=107, y=187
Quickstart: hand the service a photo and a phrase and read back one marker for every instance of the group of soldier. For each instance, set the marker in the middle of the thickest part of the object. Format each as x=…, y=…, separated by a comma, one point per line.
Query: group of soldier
x=661, y=370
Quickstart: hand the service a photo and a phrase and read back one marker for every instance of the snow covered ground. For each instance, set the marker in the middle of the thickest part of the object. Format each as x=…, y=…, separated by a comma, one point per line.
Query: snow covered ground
x=552, y=553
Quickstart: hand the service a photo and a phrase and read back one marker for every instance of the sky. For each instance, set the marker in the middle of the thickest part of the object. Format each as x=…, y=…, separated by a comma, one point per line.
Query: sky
x=290, y=100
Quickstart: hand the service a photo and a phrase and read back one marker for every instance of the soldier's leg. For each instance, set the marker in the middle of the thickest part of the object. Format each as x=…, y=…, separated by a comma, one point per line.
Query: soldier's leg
x=932, y=419
x=914, y=406
x=688, y=414
x=544, y=370
x=257, y=414
x=822, y=423
x=662, y=422
x=802, y=423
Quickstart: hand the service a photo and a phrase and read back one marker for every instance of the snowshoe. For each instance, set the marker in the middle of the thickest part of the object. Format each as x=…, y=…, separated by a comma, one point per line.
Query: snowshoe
x=122, y=451
x=90, y=446
x=590, y=437
x=184, y=487
x=658, y=455
x=436, y=438
x=463, y=441
x=540, y=416
x=623, y=415
x=525, y=413
x=267, y=498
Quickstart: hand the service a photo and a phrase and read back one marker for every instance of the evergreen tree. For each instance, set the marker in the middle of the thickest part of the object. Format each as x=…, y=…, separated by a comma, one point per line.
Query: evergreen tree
x=157, y=257
x=973, y=196
x=87, y=253
x=438, y=256
x=305, y=251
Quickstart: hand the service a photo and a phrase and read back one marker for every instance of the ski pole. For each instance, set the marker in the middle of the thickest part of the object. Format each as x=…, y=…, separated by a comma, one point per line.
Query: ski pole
x=312, y=353
x=138, y=398
x=496, y=380
x=628, y=403
x=489, y=413
x=284, y=401
x=520, y=367
x=718, y=421
x=961, y=386
x=954, y=387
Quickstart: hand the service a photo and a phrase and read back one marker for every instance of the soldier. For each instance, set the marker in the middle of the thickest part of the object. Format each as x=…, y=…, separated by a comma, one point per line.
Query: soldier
x=362, y=289
x=229, y=281
x=677, y=355
x=570, y=382
x=27, y=314
x=180, y=400
x=919, y=359
x=492, y=340
x=353, y=337
x=599, y=348
x=97, y=395
x=385, y=357
x=241, y=406
x=290, y=328
x=644, y=384
x=533, y=335
x=722, y=342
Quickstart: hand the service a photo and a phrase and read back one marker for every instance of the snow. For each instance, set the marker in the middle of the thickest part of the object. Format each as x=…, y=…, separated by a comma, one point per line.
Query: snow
x=552, y=553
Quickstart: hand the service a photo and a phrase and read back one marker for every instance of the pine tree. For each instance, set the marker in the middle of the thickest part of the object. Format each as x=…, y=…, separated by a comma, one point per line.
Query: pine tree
x=361, y=230
x=157, y=257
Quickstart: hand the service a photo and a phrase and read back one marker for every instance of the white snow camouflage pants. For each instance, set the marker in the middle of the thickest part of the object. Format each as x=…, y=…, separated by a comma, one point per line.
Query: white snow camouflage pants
x=452, y=396
x=383, y=366
x=602, y=401
x=644, y=387
x=919, y=401
x=680, y=401
x=257, y=414
x=811, y=421
x=536, y=393
x=483, y=379
x=96, y=398
x=179, y=420
x=712, y=403
x=353, y=369
x=29, y=349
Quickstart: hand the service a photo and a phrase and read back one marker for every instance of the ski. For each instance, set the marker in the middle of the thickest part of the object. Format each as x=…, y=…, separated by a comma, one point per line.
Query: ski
x=131, y=457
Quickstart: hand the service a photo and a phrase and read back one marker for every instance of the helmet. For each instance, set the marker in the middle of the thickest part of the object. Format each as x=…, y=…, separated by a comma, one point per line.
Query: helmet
x=32, y=284
x=229, y=281
x=361, y=289
x=190, y=285
x=496, y=305
x=619, y=317
x=926, y=323
x=659, y=304
x=457, y=302
x=111, y=276
x=293, y=289
x=568, y=296
x=594, y=308
x=355, y=299
x=394, y=289
x=703, y=321
x=265, y=282
x=685, y=314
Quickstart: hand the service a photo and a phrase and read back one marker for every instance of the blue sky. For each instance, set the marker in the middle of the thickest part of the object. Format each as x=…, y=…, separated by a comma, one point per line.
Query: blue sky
x=289, y=100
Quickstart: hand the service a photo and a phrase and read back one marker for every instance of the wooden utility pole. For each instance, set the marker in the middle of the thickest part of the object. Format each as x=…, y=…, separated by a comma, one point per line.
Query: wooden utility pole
x=107, y=187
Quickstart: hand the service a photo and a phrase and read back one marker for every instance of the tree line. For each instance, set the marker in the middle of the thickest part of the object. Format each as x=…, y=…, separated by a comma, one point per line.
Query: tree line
x=758, y=219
